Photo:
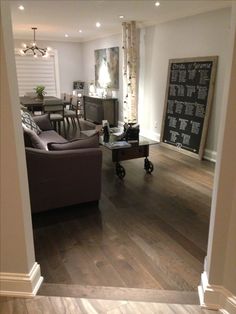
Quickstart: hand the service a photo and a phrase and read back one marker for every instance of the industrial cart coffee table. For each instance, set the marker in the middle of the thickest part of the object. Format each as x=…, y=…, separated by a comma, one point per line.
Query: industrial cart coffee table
x=125, y=151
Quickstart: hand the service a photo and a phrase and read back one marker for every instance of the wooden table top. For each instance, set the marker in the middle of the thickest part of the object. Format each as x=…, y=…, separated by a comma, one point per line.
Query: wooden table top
x=31, y=102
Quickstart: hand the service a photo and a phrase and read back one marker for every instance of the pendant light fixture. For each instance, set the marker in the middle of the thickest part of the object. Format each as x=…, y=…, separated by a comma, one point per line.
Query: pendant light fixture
x=34, y=49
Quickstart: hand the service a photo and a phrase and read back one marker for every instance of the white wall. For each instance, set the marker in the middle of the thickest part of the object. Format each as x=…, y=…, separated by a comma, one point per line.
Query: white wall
x=19, y=273
x=218, y=284
x=195, y=36
x=223, y=199
x=69, y=59
x=89, y=61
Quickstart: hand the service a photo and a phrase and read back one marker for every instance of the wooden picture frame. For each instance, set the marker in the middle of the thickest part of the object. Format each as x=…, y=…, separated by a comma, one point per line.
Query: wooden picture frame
x=188, y=100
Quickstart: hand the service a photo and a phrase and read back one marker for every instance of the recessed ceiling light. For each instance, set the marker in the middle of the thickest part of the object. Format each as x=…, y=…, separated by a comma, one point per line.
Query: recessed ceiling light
x=98, y=24
x=21, y=7
x=66, y=35
x=80, y=31
x=157, y=4
x=121, y=16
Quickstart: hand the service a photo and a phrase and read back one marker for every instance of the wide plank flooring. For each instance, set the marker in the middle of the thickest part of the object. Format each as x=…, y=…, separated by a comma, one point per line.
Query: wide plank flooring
x=148, y=231
x=56, y=305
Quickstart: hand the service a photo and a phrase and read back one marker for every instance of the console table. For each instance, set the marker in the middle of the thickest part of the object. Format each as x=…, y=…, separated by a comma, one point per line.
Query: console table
x=97, y=109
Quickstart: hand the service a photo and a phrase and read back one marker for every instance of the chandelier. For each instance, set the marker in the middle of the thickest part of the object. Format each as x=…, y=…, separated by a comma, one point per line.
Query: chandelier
x=34, y=49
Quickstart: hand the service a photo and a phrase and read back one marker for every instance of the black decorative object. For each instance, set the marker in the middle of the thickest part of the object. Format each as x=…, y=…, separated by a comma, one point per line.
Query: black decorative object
x=78, y=85
x=106, y=131
x=131, y=132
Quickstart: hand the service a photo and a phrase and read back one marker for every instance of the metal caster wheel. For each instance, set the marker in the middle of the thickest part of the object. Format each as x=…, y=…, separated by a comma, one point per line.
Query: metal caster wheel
x=148, y=166
x=120, y=171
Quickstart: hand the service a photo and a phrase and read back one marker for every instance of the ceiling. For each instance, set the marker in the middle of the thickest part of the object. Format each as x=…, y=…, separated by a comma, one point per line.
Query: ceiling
x=54, y=19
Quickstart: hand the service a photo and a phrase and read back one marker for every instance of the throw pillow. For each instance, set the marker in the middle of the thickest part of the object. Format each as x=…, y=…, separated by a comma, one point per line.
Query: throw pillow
x=32, y=139
x=43, y=121
x=28, y=121
x=88, y=142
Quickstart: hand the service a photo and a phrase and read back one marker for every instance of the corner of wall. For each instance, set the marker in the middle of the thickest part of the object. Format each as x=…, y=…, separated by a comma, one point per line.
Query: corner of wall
x=215, y=297
x=21, y=285
x=210, y=155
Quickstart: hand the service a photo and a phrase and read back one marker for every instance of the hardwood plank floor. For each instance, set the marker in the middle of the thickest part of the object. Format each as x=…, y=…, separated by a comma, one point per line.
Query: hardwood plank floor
x=118, y=293
x=149, y=231
x=56, y=305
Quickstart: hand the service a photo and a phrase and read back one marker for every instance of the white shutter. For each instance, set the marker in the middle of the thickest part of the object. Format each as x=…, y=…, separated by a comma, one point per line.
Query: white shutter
x=36, y=71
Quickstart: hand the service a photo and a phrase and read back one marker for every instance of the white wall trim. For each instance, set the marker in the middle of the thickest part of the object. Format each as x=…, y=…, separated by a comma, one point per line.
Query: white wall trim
x=57, y=75
x=216, y=297
x=20, y=284
x=210, y=155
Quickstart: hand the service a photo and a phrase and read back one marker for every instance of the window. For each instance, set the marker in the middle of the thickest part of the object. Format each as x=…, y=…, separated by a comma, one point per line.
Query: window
x=37, y=71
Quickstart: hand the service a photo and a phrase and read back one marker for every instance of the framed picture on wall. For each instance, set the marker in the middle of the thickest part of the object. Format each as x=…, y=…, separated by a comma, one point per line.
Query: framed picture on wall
x=189, y=94
x=107, y=68
x=78, y=85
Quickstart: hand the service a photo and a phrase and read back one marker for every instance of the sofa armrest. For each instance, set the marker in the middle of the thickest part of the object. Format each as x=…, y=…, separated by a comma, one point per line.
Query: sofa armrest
x=43, y=122
x=63, y=178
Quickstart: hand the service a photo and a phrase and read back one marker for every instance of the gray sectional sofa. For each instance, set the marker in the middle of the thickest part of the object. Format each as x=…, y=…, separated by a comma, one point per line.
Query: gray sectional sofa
x=60, y=172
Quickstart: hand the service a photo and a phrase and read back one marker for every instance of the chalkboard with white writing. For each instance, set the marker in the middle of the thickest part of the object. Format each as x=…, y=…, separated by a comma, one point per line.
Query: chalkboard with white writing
x=188, y=100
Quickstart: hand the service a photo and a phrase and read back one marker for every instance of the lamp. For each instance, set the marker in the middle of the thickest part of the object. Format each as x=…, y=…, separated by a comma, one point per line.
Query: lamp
x=34, y=48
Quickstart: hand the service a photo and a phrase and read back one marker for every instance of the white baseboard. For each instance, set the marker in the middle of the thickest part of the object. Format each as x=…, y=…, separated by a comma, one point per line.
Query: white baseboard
x=20, y=284
x=210, y=155
x=215, y=297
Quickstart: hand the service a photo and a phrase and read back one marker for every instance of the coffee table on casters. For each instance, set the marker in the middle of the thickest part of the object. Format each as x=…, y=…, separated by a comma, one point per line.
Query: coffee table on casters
x=134, y=150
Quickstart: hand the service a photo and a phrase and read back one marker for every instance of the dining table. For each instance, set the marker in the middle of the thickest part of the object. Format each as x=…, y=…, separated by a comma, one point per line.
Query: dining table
x=36, y=104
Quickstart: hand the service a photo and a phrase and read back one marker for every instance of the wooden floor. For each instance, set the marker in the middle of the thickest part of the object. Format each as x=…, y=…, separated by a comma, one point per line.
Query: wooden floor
x=56, y=305
x=149, y=231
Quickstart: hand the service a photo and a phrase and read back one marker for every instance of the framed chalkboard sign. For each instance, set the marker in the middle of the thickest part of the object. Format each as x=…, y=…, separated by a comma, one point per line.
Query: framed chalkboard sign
x=189, y=93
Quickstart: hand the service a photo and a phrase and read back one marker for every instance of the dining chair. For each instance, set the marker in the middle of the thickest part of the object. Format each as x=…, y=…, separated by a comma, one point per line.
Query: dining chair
x=55, y=109
x=73, y=112
x=68, y=97
x=63, y=96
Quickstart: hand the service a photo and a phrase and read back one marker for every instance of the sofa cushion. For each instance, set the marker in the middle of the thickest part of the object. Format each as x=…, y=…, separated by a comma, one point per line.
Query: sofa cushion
x=28, y=121
x=32, y=139
x=89, y=142
x=51, y=136
x=43, y=122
